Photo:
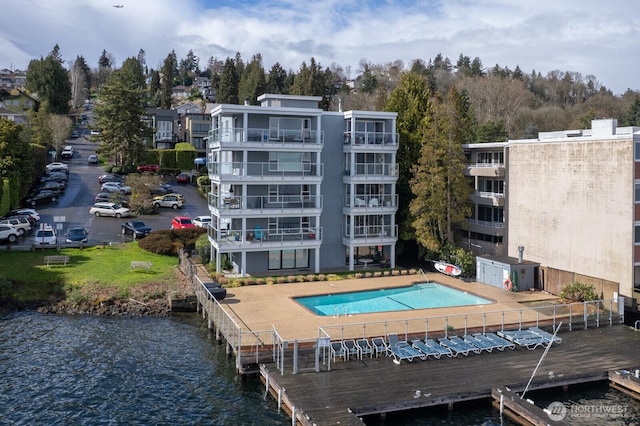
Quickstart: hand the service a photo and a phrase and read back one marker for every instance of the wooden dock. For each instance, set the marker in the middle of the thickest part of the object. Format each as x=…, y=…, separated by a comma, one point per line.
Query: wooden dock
x=375, y=386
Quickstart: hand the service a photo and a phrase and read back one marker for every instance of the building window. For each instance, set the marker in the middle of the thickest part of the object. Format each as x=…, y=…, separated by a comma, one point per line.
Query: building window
x=636, y=233
x=636, y=277
x=637, y=154
x=289, y=259
x=637, y=192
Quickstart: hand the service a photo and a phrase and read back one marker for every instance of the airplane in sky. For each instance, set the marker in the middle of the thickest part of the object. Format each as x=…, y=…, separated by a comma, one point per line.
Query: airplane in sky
x=118, y=5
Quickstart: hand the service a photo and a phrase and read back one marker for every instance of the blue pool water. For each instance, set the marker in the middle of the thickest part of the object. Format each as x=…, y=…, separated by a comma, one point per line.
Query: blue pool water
x=417, y=296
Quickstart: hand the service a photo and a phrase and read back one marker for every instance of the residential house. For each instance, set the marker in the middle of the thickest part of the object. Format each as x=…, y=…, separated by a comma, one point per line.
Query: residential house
x=11, y=115
x=20, y=101
x=164, y=122
x=295, y=188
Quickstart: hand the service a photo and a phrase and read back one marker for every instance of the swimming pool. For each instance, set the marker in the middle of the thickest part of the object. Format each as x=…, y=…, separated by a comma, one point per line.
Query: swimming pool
x=418, y=296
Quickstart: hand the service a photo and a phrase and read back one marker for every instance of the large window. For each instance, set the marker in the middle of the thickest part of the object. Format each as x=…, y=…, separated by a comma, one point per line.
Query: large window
x=289, y=161
x=289, y=259
x=637, y=192
x=636, y=233
x=491, y=158
x=491, y=214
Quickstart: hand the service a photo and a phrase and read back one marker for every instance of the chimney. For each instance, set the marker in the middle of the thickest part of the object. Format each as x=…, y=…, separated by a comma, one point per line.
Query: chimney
x=339, y=104
x=520, y=253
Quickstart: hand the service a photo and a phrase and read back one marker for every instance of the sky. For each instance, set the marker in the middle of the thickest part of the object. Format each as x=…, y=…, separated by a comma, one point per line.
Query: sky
x=591, y=37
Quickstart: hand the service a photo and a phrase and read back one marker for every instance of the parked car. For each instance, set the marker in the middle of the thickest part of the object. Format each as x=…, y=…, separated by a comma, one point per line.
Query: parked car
x=169, y=200
x=67, y=152
x=153, y=168
x=202, y=221
x=42, y=197
x=8, y=232
x=136, y=228
x=75, y=134
x=77, y=235
x=161, y=189
x=31, y=212
x=109, y=209
x=94, y=132
x=115, y=187
x=51, y=185
x=22, y=224
x=183, y=178
x=92, y=159
x=54, y=177
x=108, y=197
x=110, y=178
x=182, y=222
x=57, y=165
x=45, y=235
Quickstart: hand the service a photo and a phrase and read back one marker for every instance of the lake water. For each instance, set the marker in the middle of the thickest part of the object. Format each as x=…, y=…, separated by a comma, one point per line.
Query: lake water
x=87, y=370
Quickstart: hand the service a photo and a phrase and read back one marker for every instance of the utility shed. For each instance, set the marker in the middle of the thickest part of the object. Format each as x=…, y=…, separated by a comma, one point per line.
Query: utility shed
x=495, y=270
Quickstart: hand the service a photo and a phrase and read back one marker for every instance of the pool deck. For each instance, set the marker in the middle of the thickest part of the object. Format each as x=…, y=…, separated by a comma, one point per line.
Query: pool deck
x=263, y=307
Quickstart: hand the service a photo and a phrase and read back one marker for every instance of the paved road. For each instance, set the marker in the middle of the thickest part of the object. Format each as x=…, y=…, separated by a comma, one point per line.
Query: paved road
x=73, y=206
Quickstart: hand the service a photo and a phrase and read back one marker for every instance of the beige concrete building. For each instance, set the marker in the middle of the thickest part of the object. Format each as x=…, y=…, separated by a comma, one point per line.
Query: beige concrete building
x=570, y=198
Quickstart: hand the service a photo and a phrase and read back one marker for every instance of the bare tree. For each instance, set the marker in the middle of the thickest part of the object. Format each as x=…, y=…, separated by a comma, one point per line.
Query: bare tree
x=60, y=126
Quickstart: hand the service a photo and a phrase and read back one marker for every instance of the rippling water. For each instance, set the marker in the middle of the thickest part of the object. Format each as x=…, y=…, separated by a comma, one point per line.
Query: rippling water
x=140, y=371
x=86, y=370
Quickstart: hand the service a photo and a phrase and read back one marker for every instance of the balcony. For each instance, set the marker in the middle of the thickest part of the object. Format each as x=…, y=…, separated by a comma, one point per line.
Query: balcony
x=266, y=170
x=370, y=234
x=372, y=170
x=485, y=169
x=367, y=202
x=265, y=137
x=487, y=198
x=262, y=239
x=286, y=204
x=371, y=138
x=485, y=227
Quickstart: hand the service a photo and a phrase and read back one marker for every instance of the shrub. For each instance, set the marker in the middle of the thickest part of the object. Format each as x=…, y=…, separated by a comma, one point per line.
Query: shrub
x=270, y=281
x=386, y=273
x=322, y=277
x=280, y=280
x=223, y=280
x=358, y=275
x=291, y=279
x=250, y=281
x=333, y=277
x=169, y=241
x=311, y=278
x=395, y=272
x=157, y=242
x=300, y=278
x=203, y=248
x=377, y=274
x=368, y=274
x=578, y=292
x=260, y=281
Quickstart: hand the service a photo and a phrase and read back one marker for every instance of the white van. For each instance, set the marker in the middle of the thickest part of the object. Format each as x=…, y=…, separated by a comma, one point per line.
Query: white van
x=67, y=152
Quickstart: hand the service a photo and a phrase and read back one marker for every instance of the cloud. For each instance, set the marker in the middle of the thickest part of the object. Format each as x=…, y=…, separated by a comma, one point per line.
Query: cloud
x=585, y=36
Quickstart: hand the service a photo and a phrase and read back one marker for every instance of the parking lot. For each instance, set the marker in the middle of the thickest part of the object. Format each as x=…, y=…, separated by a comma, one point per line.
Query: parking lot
x=72, y=208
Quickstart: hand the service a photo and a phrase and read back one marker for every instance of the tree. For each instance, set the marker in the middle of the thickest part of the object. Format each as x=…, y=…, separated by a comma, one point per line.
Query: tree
x=276, y=79
x=492, y=131
x=229, y=79
x=120, y=114
x=168, y=73
x=410, y=99
x=311, y=80
x=368, y=81
x=60, y=126
x=48, y=78
x=632, y=117
x=155, y=89
x=188, y=67
x=252, y=82
x=79, y=82
x=440, y=188
x=106, y=63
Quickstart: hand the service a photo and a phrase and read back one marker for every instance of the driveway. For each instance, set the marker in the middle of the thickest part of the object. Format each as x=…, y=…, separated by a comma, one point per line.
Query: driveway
x=72, y=209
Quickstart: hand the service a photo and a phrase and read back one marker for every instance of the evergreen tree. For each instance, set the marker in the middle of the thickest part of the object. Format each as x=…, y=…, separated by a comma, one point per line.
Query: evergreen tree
x=120, y=115
x=155, y=89
x=50, y=81
x=276, y=79
x=368, y=81
x=492, y=131
x=252, y=82
x=410, y=99
x=228, y=90
x=168, y=74
x=440, y=188
x=632, y=117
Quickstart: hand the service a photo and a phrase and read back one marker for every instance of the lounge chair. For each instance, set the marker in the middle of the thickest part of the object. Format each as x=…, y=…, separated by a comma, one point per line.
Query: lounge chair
x=457, y=346
x=365, y=348
x=257, y=233
x=401, y=349
x=501, y=343
x=337, y=351
x=548, y=337
x=460, y=342
x=351, y=348
x=379, y=346
x=524, y=338
x=427, y=350
x=484, y=345
x=439, y=348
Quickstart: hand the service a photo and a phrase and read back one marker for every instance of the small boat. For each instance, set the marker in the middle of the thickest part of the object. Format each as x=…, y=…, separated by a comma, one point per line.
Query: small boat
x=447, y=268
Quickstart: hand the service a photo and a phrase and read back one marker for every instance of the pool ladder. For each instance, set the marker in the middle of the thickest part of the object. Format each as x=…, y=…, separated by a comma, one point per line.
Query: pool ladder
x=337, y=314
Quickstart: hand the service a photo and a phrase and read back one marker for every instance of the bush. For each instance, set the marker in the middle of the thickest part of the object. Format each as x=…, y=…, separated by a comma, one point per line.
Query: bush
x=311, y=278
x=578, y=292
x=169, y=241
x=280, y=280
x=203, y=248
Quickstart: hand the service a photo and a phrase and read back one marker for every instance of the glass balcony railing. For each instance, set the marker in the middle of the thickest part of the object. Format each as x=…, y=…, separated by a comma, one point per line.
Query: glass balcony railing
x=266, y=169
x=365, y=201
x=373, y=169
x=251, y=237
x=371, y=138
x=372, y=232
x=266, y=203
x=265, y=136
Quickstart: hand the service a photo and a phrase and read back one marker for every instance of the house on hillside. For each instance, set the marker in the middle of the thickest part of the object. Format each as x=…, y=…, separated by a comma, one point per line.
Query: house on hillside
x=165, y=123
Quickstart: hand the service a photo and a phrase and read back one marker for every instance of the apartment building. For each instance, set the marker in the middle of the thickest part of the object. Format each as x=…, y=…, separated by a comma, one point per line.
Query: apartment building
x=570, y=199
x=295, y=188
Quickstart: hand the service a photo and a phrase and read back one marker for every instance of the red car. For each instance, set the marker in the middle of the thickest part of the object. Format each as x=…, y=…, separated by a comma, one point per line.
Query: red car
x=183, y=178
x=153, y=168
x=182, y=222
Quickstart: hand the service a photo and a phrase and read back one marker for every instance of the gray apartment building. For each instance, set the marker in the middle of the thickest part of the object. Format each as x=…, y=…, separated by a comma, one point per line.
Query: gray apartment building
x=295, y=188
x=570, y=199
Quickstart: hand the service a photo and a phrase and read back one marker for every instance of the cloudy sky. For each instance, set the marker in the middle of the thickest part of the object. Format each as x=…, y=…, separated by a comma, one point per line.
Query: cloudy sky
x=592, y=37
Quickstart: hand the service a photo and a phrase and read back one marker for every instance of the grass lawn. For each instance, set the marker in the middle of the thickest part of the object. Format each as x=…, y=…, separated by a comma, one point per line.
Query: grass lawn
x=92, y=273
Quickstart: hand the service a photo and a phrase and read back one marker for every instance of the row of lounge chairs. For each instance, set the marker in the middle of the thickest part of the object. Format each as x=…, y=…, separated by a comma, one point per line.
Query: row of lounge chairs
x=450, y=346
